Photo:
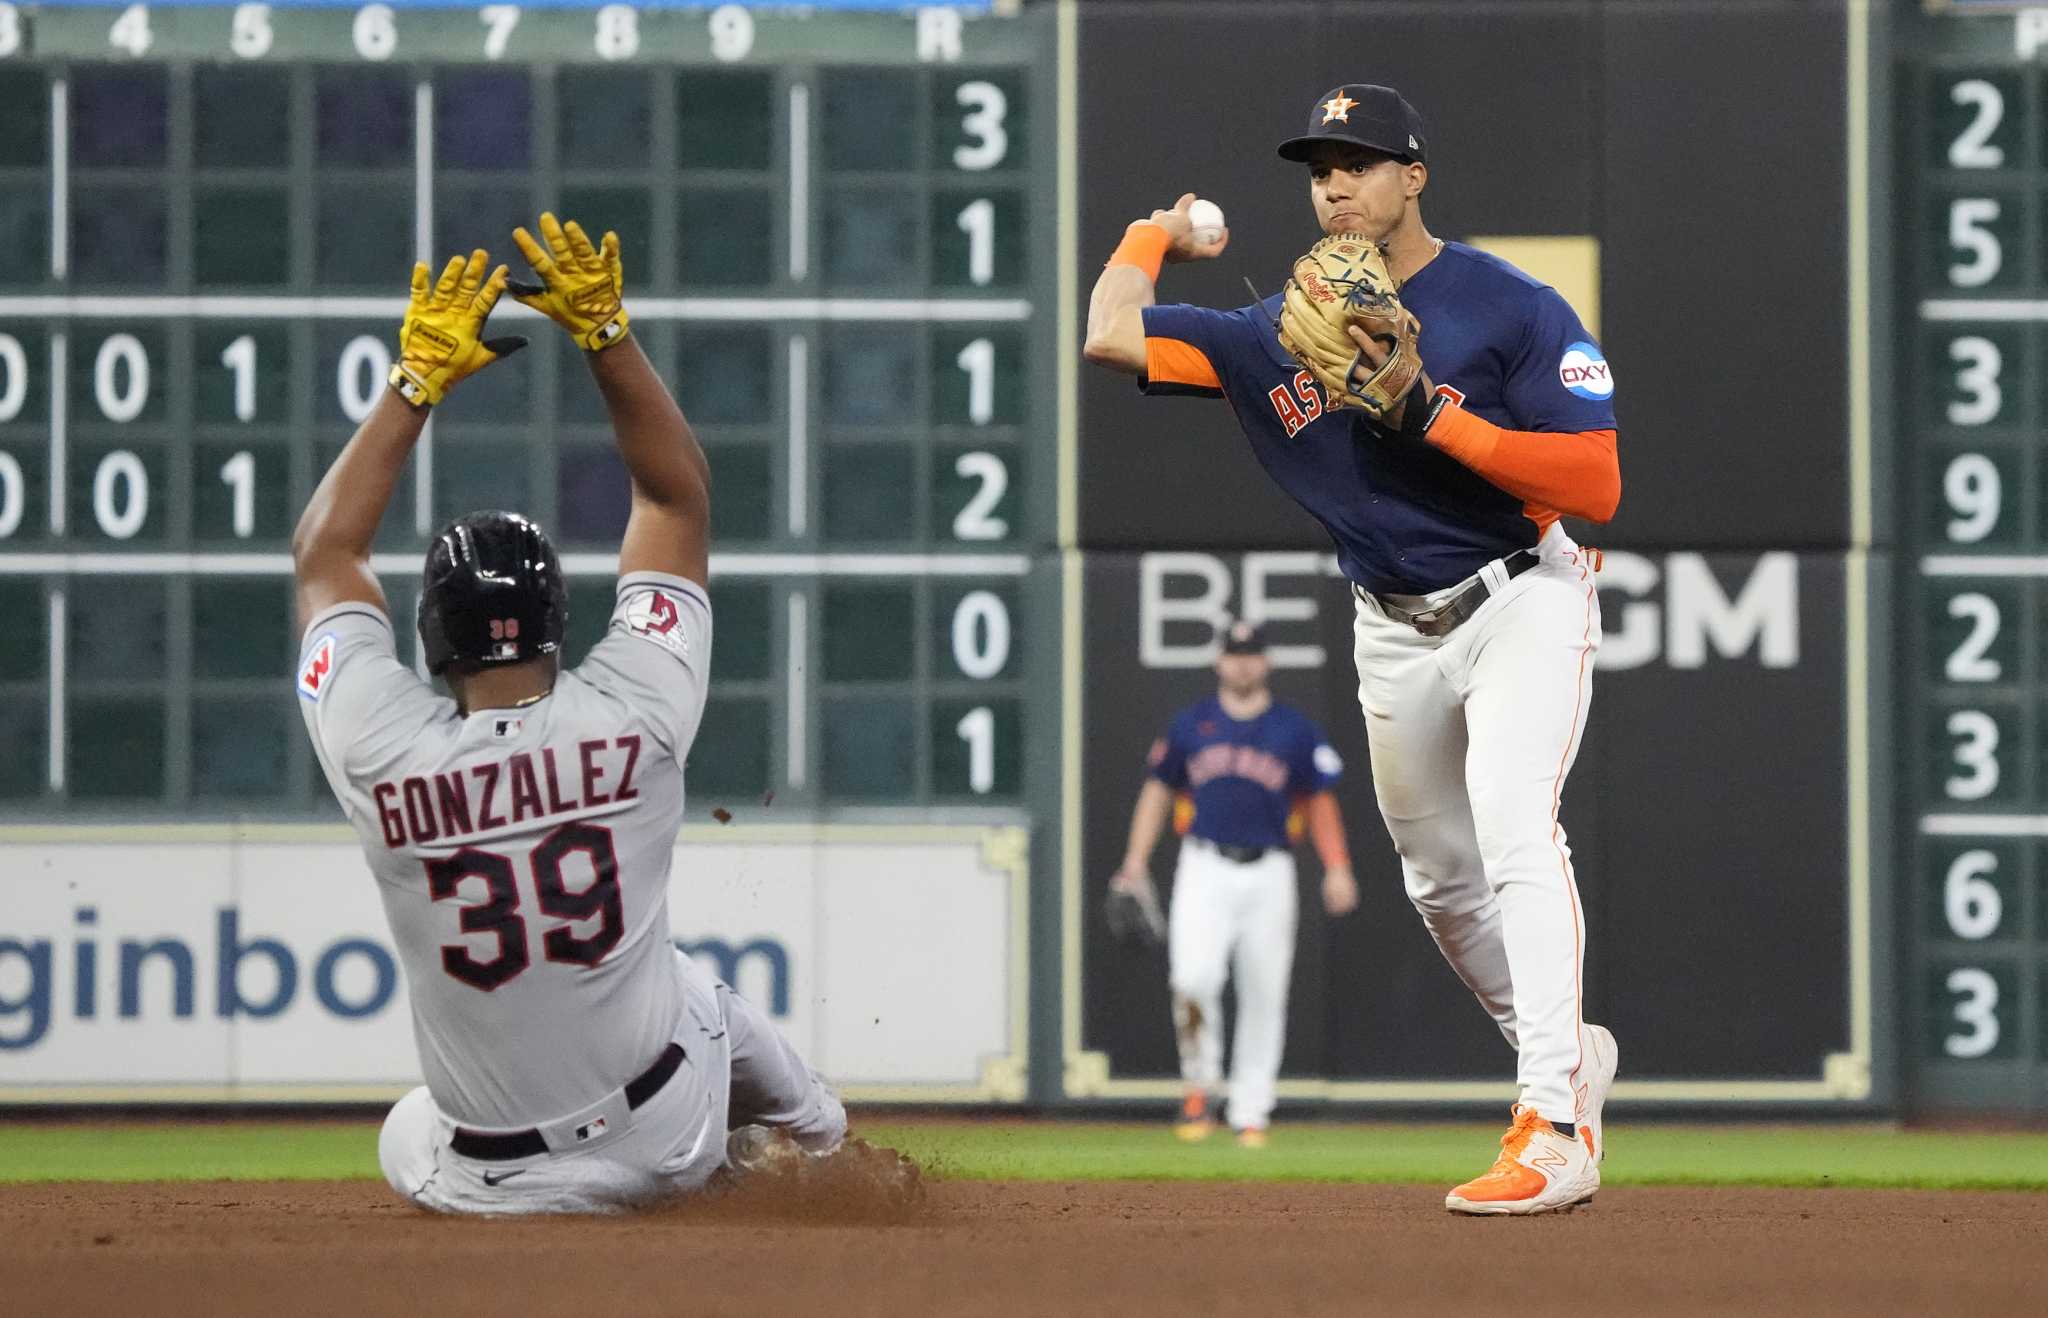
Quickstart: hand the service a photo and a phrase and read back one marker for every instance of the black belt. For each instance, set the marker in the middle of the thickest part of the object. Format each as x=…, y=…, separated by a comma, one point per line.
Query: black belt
x=1442, y=618
x=1242, y=855
x=504, y=1145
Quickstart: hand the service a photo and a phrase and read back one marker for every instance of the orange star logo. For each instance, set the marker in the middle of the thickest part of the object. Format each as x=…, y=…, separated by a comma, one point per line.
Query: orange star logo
x=1338, y=107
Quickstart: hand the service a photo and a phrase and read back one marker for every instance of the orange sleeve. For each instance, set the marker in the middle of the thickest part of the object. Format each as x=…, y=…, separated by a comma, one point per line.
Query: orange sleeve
x=1576, y=473
x=1326, y=830
x=1173, y=363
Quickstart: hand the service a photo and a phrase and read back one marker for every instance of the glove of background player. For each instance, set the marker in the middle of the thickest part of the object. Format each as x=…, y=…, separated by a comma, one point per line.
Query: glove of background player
x=1133, y=911
x=582, y=288
x=441, y=341
x=1340, y=282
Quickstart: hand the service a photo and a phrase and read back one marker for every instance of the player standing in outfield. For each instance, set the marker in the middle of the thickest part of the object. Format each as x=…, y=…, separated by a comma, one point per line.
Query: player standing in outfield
x=521, y=832
x=1240, y=771
x=1477, y=618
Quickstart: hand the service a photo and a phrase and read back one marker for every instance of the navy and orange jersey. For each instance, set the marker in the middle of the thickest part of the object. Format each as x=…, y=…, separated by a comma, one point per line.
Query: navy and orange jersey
x=1530, y=432
x=1243, y=778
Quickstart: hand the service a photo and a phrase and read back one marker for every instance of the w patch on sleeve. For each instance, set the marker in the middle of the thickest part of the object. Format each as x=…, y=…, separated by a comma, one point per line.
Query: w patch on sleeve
x=318, y=668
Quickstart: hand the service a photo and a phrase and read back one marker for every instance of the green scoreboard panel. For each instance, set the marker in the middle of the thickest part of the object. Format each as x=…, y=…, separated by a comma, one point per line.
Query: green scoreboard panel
x=1971, y=95
x=838, y=251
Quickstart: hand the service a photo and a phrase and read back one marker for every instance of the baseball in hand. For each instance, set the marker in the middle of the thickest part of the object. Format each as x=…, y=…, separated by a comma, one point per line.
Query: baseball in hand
x=1207, y=217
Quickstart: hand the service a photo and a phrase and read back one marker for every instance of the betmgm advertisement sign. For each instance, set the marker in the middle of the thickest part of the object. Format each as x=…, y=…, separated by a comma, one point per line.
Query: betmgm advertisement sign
x=252, y=963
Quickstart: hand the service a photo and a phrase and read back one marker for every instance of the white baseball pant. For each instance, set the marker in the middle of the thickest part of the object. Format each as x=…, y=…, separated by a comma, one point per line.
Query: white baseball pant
x=1228, y=917
x=737, y=1069
x=1472, y=736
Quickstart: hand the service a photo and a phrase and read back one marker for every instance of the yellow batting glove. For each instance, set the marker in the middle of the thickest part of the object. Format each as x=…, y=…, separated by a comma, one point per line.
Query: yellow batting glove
x=442, y=339
x=582, y=286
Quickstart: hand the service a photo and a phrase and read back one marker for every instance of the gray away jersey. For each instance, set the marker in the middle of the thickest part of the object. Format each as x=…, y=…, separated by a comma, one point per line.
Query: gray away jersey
x=523, y=854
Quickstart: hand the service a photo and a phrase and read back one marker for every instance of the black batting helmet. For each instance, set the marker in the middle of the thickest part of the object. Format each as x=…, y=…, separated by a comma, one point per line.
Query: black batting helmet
x=492, y=593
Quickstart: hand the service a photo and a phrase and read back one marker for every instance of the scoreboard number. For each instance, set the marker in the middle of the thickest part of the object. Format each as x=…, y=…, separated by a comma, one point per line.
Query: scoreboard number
x=1977, y=752
x=13, y=495
x=119, y=401
x=13, y=377
x=1975, y=494
x=1967, y=218
x=120, y=494
x=130, y=32
x=978, y=359
x=1978, y=1010
x=249, y=33
x=1969, y=662
x=978, y=221
x=1980, y=362
x=1973, y=148
x=981, y=634
x=498, y=21
x=977, y=727
x=1972, y=903
x=618, y=32
x=10, y=30
x=360, y=374
x=975, y=521
x=987, y=107
x=240, y=359
x=239, y=475
x=732, y=33
x=375, y=32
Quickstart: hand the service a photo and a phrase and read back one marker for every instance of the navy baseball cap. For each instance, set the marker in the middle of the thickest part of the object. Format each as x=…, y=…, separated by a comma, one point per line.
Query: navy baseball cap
x=1243, y=637
x=1362, y=114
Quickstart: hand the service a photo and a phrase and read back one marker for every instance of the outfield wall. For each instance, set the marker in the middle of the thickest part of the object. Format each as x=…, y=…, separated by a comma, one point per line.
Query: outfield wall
x=254, y=963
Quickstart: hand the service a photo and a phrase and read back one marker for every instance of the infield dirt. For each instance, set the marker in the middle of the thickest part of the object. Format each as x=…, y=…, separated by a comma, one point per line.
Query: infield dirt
x=996, y=1248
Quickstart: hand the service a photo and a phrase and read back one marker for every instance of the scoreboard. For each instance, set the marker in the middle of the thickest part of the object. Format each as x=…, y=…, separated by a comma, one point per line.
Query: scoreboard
x=1971, y=170
x=837, y=252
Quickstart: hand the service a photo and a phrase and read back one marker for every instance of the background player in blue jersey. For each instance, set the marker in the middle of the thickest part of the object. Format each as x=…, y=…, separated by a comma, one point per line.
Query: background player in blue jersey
x=1477, y=617
x=1241, y=772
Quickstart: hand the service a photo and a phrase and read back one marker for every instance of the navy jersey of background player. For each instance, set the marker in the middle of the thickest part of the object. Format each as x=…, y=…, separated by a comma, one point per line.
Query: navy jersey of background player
x=1243, y=777
x=1407, y=517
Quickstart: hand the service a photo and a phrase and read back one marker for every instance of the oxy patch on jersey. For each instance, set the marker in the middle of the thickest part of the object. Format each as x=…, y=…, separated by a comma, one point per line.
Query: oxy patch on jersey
x=318, y=668
x=1328, y=762
x=653, y=616
x=1585, y=372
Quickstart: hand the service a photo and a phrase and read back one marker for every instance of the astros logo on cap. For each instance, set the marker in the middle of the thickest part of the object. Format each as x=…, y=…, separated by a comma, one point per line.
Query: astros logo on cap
x=1338, y=107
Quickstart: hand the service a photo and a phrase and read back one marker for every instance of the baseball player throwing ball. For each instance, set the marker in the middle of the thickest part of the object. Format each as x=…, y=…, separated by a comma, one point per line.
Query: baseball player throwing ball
x=1241, y=772
x=1437, y=410
x=521, y=831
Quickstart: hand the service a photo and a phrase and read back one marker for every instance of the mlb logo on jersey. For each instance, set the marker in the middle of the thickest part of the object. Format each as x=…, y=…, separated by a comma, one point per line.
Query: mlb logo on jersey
x=313, y=676
x=1585, y=372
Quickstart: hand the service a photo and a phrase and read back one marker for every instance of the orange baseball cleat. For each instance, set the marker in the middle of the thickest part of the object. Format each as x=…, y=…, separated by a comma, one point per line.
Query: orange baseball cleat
x=1540, y=1170
x=1195, y=1124
x=1252, y=1137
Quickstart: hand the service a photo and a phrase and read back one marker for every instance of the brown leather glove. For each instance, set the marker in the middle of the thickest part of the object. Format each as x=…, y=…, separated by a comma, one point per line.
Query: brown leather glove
x=1340, y=282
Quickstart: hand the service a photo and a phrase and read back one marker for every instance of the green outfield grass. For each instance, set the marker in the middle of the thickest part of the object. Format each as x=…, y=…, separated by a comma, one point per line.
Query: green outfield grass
x=993, y=1148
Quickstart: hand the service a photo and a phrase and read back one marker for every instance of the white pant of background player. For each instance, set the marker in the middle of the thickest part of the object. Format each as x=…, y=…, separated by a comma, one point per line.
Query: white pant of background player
x=1233, y=918
x=737, y=1068
x=1472, y=736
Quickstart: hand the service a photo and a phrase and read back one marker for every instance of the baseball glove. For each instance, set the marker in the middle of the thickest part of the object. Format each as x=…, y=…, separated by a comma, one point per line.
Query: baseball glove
x=1134, y=914
x=1340, y=282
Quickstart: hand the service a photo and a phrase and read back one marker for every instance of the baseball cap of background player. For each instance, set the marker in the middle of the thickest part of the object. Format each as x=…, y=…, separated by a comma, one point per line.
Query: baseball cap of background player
x=1243, y=637
x=1362, y=114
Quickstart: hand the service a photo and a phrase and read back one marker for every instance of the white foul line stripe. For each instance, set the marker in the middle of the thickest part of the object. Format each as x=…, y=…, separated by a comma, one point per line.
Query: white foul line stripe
x=575, y=565
x=220, y=307
x=1984, y=825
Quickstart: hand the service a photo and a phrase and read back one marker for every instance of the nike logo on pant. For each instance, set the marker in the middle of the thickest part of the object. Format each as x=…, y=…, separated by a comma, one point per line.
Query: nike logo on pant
x=499, y=1178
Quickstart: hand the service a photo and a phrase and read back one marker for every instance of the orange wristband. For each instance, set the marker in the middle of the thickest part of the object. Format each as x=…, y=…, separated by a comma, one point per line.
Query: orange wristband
x=1144, y=246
